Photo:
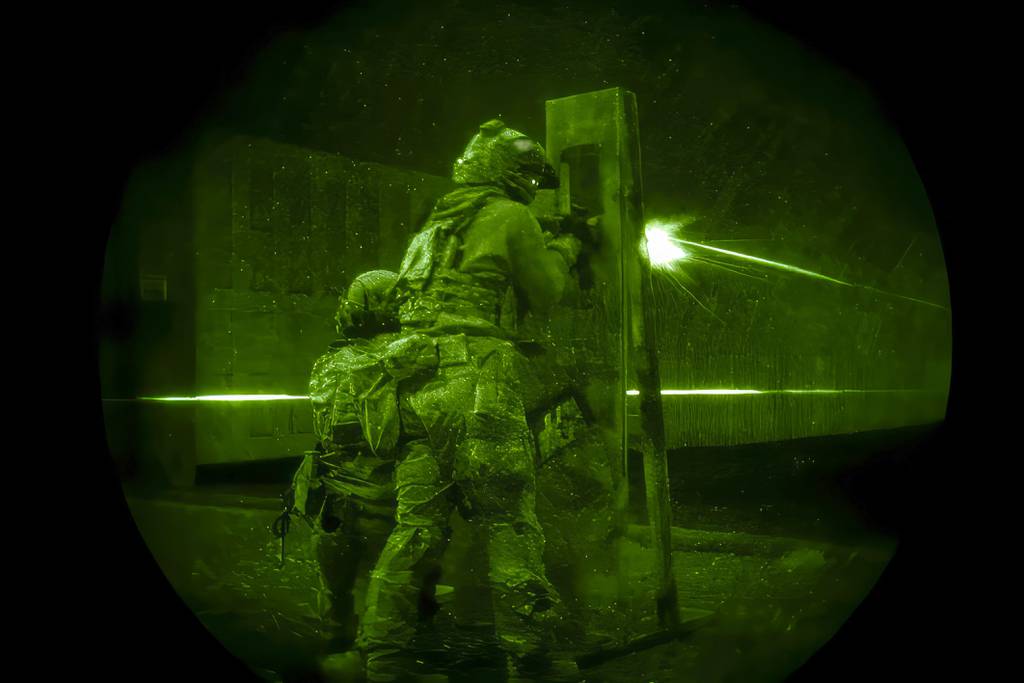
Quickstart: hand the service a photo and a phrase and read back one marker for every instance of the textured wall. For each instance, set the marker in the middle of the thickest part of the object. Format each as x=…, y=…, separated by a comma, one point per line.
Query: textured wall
x=756, y=143
x=753, y=142
x=146, y=322
x=280, y=232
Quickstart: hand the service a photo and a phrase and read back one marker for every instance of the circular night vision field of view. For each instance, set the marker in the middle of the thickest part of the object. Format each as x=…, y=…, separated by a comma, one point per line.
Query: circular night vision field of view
x=657, y=293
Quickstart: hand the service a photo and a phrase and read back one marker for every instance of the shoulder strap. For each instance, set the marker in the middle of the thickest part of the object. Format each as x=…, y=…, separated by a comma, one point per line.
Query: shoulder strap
x=439, y=242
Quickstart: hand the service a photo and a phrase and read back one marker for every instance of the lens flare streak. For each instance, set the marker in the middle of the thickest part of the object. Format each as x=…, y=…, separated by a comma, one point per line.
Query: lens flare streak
x=746, y=392
x=225, y=397
x=664, y=251
x=764, y=261
x=233, y=398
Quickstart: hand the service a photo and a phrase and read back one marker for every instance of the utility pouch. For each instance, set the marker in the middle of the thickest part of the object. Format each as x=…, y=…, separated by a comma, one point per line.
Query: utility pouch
x=411, y=355
x=307, y=487
x=452, y=350
x=377, y=389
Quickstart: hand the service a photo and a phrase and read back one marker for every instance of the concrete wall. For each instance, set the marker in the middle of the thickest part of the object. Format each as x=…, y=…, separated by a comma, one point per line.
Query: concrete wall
x=280, y=233
x=255, y=240
x=146, y=325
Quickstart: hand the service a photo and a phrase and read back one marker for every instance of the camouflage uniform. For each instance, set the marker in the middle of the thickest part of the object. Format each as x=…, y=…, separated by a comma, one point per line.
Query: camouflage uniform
x=465, y=440
x=345, y=488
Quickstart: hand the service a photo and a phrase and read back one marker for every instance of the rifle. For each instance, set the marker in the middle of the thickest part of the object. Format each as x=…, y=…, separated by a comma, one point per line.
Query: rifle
x=296, y=494
x=578, y=223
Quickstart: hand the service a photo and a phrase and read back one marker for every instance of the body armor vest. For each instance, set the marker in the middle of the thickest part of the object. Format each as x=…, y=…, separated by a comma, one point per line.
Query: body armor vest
x=431, y=292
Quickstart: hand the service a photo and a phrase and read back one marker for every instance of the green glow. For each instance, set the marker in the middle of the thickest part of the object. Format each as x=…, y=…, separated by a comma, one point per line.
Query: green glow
x=699, y=392
x=663, y=252
x=773, y=264
x=844, y=391
x=227, y=397
x=661, y=245
x=741, y=392
x=233, y=398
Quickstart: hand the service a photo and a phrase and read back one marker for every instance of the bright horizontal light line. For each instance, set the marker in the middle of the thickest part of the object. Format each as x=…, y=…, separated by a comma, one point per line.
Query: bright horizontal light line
x=774, y=264
x=227, y=397
x=808, y=273
x=664, y=251
x=740, y=392
x=629, y=392
x=843, y=391
x=699, y=392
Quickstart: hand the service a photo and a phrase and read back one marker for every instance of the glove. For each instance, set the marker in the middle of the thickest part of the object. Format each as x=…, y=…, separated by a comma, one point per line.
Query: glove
x=585, y=228
x=569, y=246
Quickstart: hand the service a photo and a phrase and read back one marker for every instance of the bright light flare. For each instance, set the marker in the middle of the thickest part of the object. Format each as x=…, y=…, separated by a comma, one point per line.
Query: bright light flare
x=663, y=249
x=232, y=398
x=699, y=392
x=227, y=397
x=747, y=392
x=662, y=246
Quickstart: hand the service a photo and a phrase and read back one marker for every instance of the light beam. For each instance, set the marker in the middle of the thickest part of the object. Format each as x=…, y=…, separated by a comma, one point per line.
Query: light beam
x=664, y=251
x=226, y=397
x=232, y=398
x=661, y=246
x=743, y=392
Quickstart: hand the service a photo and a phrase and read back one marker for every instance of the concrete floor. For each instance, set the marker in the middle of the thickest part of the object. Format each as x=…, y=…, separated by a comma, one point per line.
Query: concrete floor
x=775, y=599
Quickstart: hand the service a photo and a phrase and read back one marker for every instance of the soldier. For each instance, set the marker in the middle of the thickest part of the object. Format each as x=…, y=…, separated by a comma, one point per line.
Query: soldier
x=345, y=488
x=465, y=439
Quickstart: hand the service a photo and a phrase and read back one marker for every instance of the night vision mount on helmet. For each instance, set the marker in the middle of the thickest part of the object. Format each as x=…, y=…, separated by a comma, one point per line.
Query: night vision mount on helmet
x=497, y=150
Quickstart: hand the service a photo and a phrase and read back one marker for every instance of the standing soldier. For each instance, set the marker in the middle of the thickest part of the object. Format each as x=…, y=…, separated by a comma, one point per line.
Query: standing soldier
x=345, y=488
x=465, y=439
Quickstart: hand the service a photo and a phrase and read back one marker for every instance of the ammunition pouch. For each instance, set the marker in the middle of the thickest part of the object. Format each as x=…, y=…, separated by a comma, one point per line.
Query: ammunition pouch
x=355, y=391
x=407, y=357
x=307, y=489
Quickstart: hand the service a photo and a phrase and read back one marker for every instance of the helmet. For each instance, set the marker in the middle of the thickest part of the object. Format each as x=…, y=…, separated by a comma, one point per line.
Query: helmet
x=496, y=151
x=367, y=308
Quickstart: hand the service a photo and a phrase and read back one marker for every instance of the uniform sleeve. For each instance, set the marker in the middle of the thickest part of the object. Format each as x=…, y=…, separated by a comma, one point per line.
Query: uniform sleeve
x=539, y=273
